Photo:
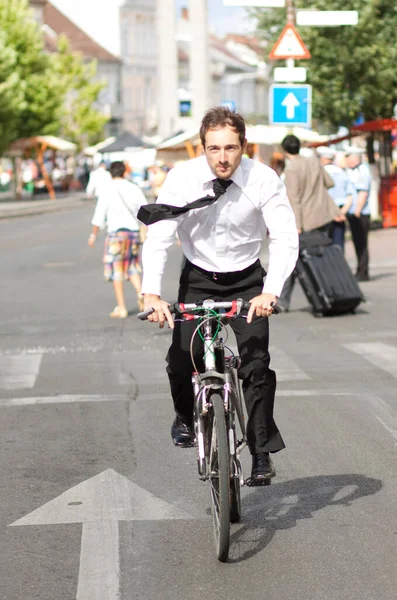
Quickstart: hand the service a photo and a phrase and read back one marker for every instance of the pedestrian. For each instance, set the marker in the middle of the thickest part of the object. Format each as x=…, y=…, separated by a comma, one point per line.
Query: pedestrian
x=156, y=179
x=341, y=192
x=97, y=179
x=117, y=207
x=222, y=242
x=359, y=212
x=307, y=183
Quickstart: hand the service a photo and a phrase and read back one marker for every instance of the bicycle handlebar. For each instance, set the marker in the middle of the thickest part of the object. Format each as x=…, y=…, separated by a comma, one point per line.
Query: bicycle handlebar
x=191, y=309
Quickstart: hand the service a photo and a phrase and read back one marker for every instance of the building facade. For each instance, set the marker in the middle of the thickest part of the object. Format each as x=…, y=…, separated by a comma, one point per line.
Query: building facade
x=138, y=42
x=109, y=68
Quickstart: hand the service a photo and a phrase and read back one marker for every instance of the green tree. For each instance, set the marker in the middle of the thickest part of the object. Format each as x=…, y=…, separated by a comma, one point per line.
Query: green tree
x=81, y=121
x=43, y=93
x=11, y=97
x=31, y=96
x=352, y=69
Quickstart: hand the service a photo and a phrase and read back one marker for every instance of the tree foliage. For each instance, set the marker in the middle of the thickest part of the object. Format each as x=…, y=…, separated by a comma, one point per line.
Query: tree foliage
x=352, y=69
x=43, y=93
x=30, y=97
x=81, y=122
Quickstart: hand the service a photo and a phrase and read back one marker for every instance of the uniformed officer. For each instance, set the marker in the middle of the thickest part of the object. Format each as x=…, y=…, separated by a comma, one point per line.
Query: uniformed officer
x=359, y=212
x=341, y=193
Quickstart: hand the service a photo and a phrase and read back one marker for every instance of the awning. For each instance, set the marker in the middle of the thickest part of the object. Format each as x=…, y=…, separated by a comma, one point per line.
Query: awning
x=178, y=142
x=41, y=143
x=256, y=134
x=123, y=142
x=378, y=125
x=270, y=135
x=92, y=150
x=48, y=141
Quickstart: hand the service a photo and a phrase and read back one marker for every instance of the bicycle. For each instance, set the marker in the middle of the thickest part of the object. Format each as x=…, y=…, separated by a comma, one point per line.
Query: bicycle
x=218, y=399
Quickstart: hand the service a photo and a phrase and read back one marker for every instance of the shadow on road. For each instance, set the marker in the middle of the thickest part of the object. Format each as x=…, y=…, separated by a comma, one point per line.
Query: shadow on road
x=381, y=276
x=280, y=506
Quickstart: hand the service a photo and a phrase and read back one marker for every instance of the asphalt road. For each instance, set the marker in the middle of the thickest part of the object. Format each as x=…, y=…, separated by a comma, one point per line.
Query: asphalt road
x=96, y=503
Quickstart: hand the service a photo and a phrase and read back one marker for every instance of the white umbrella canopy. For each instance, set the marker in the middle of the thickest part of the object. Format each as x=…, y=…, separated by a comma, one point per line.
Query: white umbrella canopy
x=92, y=150
x=45, y=141
x=270, y=135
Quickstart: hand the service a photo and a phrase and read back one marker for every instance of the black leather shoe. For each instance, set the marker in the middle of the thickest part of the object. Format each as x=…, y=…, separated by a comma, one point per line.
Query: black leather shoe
x=182, y=434
x=262, y=466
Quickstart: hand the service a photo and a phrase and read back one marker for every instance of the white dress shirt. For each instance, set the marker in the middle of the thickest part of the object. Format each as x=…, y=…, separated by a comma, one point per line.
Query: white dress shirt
x=117, y=206
x=227, y=235
x=97, y=180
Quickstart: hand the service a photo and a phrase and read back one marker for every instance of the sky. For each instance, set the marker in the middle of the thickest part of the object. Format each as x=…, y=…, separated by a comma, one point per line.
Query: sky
x=99, y=18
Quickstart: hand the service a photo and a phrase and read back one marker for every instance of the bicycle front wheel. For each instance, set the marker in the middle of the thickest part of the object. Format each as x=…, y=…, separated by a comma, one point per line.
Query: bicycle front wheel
x=219, y=477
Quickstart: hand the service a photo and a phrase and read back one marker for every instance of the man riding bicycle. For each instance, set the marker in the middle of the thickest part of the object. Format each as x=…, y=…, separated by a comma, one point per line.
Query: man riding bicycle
x=221, y=241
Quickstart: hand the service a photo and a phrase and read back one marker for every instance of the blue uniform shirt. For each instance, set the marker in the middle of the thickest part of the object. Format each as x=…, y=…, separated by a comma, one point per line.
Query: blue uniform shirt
x=342, y=187
x=360, y=177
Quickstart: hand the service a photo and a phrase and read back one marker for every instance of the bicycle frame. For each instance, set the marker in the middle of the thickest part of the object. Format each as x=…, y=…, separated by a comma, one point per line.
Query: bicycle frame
x=228, y=384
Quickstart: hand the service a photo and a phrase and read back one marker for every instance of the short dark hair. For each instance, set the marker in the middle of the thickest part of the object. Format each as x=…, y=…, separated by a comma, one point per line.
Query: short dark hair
x=117, y=169
x=221, y=116
x=291, y=144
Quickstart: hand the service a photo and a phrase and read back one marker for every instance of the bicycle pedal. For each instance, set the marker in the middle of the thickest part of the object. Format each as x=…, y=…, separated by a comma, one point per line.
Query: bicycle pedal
x=257, y=482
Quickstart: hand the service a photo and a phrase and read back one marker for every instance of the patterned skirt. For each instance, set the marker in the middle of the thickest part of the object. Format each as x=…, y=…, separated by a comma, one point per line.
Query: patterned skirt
x=121, y=258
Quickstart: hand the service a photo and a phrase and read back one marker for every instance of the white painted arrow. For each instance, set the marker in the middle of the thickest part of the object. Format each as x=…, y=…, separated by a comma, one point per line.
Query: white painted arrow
x=99, y=503
x=290, y=102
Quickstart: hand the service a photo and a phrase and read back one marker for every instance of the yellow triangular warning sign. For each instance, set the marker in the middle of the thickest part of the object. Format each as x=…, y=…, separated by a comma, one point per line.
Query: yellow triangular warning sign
x=289, y=45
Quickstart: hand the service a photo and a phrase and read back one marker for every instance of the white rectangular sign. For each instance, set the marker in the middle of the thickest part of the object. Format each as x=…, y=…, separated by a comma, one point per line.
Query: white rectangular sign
x=290, y=74
x=258, y=3
x=326, y=18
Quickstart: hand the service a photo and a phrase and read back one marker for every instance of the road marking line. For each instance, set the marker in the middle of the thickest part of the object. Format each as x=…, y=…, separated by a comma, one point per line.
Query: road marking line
x=65, y=398
x=314, y=393
x=384, y=414
x=393, y=432
x=99, y=503
x=286, y=369
x=19, y=372
x=99, y=571
x=51, y=350
x=383, y=356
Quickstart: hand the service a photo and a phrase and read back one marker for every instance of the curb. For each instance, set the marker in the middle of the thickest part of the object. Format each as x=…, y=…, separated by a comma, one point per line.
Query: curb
x=46, y=206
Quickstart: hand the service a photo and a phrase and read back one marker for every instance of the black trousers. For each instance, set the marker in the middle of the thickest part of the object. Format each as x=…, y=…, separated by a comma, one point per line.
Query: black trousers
x=359, y=226
x=259, y=381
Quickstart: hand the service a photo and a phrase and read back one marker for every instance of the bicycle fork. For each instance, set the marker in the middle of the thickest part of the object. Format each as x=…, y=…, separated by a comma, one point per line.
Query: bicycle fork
x=202, y=405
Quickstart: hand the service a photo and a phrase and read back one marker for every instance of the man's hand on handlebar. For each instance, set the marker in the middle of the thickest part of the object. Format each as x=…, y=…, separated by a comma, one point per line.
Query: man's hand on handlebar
x=161, y=312
x=261, y=306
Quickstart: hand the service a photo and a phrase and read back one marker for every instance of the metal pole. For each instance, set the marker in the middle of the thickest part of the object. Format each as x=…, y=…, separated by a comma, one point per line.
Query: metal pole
x=290, y=11
x=290, y=63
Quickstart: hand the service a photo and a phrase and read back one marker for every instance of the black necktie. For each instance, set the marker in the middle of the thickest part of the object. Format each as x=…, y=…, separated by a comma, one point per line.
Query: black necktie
x=151, y=213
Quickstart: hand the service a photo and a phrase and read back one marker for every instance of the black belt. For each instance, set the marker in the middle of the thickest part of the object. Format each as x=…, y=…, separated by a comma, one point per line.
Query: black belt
x=225, y=277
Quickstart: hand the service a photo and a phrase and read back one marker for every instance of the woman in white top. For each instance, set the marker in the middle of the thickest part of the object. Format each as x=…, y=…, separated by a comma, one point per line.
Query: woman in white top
x=117, y=207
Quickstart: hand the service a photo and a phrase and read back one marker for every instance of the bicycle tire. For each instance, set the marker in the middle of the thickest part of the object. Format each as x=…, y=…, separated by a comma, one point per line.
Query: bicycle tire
x=235, y=498
x=219, y=478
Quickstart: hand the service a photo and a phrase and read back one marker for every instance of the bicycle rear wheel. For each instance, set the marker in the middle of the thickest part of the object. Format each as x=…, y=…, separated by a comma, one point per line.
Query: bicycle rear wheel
x=219, y=477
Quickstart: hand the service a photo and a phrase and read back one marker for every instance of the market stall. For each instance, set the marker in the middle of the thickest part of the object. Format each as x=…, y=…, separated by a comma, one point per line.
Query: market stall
x=27, y=147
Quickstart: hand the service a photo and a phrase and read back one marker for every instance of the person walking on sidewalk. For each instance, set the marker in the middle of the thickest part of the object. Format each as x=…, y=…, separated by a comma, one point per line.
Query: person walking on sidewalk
x=117, y=208
x=221, y=236
x=341, y=192
x=359, y=213
x=307, y=183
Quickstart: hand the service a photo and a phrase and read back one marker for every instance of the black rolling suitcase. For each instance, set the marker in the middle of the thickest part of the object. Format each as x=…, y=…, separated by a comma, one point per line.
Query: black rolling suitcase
x=325, y=276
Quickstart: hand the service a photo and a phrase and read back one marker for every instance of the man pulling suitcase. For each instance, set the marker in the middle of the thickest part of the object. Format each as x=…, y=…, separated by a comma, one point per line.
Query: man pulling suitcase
x=322, y=270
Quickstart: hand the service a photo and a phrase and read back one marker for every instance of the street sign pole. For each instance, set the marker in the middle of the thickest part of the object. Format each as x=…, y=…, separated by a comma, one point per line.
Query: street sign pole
x=290, y=62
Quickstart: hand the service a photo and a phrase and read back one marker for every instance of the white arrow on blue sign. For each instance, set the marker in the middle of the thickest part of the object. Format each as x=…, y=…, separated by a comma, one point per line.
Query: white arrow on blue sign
x=290, y=105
